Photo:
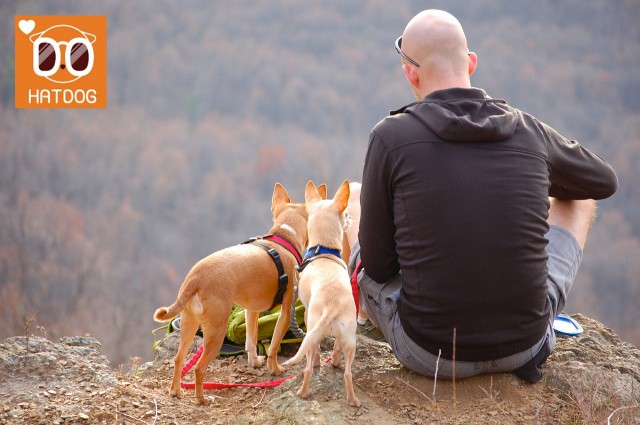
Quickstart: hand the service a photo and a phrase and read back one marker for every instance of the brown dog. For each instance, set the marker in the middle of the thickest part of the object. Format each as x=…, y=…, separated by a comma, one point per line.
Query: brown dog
x=325, y=290
x=245, y=275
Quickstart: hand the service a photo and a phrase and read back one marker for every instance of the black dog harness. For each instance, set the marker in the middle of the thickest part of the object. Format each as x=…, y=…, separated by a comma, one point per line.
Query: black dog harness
x=283, y=278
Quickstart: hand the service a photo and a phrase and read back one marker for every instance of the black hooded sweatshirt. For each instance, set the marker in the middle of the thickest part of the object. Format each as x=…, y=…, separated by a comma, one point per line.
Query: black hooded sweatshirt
x=455, y=195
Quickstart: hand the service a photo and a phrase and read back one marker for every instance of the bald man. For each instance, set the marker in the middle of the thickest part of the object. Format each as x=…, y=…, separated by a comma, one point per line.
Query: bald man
x=473, y=219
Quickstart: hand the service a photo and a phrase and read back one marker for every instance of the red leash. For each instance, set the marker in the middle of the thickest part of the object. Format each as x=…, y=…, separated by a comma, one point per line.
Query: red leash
x=355, y=287
x=219, y=386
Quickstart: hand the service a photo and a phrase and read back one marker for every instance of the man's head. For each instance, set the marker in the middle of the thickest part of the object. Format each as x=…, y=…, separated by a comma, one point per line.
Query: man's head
x=434, y=53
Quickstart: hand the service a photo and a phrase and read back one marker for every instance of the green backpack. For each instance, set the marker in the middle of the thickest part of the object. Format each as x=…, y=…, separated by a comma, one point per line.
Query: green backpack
x=237, y=330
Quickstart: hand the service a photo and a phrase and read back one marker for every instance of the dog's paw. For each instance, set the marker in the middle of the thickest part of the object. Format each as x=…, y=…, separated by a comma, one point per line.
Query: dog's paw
x=202, y=401
x=304, y=394
x=175, y=393
x=291, y=362
x=255, y=361
x=354, y=402
x=274, y=368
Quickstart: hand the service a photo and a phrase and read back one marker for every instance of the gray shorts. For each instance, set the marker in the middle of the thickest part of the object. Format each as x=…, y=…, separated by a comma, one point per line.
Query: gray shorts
x=380, y=304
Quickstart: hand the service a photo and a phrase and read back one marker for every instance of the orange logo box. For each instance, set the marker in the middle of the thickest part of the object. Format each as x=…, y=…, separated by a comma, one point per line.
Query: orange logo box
x=61, y=61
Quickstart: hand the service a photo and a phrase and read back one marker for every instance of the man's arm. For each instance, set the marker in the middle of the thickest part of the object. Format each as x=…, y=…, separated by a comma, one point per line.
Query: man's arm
x=575, y=172
x=377, y=228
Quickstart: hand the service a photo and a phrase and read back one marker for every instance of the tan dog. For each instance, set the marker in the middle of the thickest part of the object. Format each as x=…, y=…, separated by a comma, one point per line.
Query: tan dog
x=353, y=212
x=351, y=233
x=325, y=290
x=245, y=275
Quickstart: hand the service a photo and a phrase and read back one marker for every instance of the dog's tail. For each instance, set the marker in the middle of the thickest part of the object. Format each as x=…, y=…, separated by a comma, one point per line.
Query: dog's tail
x=165, y=314
x=313, y=337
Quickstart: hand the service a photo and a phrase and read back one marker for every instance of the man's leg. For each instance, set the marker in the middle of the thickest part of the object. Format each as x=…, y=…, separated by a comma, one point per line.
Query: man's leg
x=569, y=222
x=366, y=325
x=574, y=216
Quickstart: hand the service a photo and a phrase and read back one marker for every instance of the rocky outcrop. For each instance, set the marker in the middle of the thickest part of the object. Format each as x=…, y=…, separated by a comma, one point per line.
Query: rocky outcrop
x=592, y=378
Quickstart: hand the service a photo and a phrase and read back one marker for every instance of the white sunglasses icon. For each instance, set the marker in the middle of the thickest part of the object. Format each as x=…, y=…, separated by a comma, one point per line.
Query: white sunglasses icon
x=47, y=57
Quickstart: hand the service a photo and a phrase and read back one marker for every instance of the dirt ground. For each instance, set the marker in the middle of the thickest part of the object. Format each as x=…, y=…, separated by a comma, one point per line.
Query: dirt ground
x=389, y=393
x=70, y=382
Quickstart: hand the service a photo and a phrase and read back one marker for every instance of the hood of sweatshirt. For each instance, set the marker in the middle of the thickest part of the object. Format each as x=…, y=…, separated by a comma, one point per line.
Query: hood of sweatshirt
x=464, y=115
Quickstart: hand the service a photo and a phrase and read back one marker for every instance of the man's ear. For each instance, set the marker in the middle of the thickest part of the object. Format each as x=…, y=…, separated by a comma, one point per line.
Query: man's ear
x=412, y=75
x=473, y=62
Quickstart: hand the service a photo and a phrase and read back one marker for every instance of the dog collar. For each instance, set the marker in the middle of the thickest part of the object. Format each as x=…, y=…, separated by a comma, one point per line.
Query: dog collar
x=314, y=252
x=319, y=249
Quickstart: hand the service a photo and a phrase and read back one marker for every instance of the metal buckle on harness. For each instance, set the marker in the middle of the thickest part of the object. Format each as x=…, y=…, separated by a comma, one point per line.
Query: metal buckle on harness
x=253, y=239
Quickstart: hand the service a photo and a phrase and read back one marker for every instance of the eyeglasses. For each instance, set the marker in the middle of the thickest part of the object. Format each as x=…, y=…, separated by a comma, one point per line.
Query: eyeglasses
x=399, y=50
x=47, y=56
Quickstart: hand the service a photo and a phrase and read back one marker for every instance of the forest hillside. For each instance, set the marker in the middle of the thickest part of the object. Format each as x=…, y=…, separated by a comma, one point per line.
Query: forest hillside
x=103, y=212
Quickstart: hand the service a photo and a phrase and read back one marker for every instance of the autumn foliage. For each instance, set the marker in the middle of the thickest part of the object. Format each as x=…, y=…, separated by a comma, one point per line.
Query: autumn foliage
x=103, y=212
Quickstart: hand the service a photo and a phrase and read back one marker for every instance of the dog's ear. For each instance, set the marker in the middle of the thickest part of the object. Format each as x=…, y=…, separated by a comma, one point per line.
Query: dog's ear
x=311, y=193
x=341, y=200
x=322, y=190
x=280, y=196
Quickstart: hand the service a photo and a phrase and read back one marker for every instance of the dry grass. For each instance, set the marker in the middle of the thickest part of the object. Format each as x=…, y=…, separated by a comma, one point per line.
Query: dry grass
x=599, y=402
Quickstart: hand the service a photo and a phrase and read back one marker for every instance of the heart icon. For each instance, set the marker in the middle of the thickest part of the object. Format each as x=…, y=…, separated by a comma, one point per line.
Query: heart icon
x=26, y=26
